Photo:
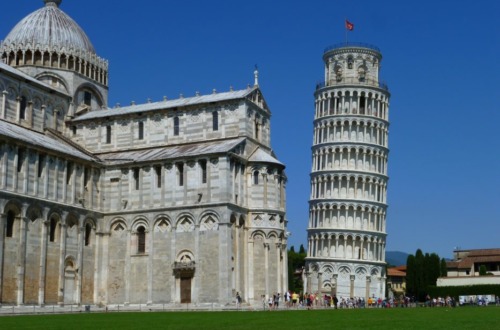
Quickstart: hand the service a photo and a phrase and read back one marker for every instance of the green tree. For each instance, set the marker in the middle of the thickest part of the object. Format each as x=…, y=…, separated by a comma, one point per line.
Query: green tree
x=422, y=272
x=296, y=261
x=419, y=275
x=482, y=270
x=410, y=275
x=444, y=268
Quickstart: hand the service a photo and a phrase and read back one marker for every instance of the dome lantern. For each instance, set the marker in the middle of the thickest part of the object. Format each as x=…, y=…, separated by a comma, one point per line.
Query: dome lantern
x=57, y=3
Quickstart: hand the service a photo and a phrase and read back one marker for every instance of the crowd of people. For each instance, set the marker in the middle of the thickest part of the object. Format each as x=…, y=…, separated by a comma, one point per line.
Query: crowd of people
x=314, y=301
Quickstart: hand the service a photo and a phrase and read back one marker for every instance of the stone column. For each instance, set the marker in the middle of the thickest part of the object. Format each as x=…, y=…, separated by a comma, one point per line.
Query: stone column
x=285, y=267
x=334, y=283
x=43, y=262
x=368, y=283
x=79, y=264
x=237, y=256
x=127, y=267
x=278, y=268
x=266, y=267
x=250, y=269
x=320, y=282
x=308, y=282
x=351, y=292
x=4, y=104
x=150, y=250
x=62, y=254
x=21, y=260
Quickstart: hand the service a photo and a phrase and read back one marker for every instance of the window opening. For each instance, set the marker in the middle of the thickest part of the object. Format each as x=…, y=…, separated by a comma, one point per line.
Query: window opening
x=350, y=63
x=20, y=159
x=88, y=231
x=69, y=173
x=256, y=177
x=22, y=112
x=158, y=176
x=141, y=130
x=136, y=178
x=41, y=164
x=141, y=240
x=87, y=98
x=180, y=173
x=52, y=233
x=176, y=126
x=108, y=134
x=10, y=224
x=203, y=167
x=215, y=121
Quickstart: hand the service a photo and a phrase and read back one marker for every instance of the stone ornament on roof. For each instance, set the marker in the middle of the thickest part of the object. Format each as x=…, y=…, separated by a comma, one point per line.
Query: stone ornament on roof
x=52, y=2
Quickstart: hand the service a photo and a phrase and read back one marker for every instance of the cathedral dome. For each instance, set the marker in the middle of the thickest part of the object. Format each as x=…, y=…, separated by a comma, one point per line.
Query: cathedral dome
x=49, y=28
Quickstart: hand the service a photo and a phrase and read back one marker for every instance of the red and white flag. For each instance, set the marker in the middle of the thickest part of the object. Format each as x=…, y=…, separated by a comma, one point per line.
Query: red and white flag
x=349, y=26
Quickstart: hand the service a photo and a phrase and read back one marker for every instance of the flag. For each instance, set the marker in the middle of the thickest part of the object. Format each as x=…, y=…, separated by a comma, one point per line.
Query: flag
x=349, y=26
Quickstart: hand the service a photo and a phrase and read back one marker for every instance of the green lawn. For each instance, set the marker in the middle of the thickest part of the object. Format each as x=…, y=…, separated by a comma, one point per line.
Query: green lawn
x=479, y=318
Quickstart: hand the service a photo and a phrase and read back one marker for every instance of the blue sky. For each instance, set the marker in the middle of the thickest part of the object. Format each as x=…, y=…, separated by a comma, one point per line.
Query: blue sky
x=441, y=60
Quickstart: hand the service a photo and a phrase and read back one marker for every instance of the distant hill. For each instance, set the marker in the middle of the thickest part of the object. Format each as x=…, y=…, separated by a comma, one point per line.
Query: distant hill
x=396, y=258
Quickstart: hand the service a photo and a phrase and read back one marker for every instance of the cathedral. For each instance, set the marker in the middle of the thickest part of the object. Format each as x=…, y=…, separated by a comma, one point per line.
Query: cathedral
x=169, y=202
x=348, y=200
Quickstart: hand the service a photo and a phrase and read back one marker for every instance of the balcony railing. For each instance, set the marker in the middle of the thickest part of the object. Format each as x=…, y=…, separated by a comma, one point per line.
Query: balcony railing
x=352, y=44
x=352, y=81
x=183, y=265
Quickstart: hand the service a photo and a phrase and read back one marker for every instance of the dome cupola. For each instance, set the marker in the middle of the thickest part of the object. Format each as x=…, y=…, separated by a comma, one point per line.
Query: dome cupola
x=48, y=37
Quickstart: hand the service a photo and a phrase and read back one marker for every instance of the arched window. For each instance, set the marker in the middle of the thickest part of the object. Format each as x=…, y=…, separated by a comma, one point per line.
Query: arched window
x=108, y=134
x=141, y=240
x=180, y=173
x=20, y=159
x=256, y=129
x=215, y=121
x=203, y=168
x=10, y=224
x=256, y=177
x=141, y=130
x=88, y=231
x=22, y=109
x=87, y=98
x=350, y=63
x=136, y=179
x=52, y=232
x=176, y=126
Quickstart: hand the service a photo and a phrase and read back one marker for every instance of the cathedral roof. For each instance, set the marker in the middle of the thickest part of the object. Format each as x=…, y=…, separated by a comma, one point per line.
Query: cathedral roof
x=27, y=78
x=171, y=152
x=41, y=140
x=167, y=104
x=49, y=28
x=260, y=156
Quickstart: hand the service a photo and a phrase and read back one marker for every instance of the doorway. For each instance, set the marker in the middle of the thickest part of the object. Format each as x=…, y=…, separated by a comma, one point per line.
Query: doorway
x=186, y=290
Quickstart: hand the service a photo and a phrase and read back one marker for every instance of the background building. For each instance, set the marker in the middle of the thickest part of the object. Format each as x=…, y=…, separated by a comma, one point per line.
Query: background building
x=347, y=207
x=466, y=265
x=177, y=201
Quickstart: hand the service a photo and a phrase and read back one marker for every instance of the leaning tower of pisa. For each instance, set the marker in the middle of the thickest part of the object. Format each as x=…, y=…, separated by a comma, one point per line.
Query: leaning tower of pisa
x=347, y=207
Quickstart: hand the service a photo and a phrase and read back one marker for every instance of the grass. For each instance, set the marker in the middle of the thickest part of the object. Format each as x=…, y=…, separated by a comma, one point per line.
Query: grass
x=366, y=319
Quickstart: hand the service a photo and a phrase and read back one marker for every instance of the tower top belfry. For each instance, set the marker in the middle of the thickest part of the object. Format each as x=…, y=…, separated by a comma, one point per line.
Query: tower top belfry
x=355, y=63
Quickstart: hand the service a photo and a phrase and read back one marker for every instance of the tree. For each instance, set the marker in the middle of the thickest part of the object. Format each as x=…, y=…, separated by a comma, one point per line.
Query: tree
x=422, y=271
x=482, y=270
x=295, y=261
x=444, y=268
x=419, y=275
x=410, y=275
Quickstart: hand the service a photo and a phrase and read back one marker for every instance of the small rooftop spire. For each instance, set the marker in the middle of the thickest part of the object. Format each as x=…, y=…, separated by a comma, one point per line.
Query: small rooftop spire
x=256, y=76
x=57, y=3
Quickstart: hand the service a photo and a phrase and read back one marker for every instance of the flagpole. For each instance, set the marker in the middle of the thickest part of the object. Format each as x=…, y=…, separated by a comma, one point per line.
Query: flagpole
x=345, y=28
